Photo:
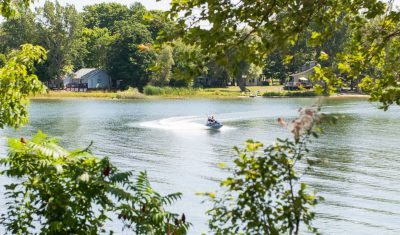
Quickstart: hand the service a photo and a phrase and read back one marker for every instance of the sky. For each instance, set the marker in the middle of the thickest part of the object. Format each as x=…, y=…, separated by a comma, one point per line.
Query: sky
x=149, y=4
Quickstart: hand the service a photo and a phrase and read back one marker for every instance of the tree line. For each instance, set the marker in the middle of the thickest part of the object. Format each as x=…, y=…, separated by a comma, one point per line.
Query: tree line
x=139, y=47
x=117, y=38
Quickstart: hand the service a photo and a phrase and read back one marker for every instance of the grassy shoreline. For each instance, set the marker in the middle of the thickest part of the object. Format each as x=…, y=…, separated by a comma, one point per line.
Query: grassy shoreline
x=183, y=93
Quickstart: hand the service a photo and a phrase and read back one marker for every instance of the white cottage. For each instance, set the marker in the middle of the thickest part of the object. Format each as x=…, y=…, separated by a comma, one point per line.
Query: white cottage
x=302, y=78
x=90, y=78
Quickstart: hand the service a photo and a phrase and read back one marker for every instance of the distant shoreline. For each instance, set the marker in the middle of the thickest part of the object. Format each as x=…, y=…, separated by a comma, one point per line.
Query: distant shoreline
x=129, y=95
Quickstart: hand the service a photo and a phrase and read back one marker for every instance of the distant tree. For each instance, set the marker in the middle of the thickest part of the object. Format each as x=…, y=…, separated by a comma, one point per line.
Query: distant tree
x=275, y=67
x=3, y=60
x=125, y=61
x=96, y=44
x=104, y=15
x=138, y=13
x=217, y=72
x=158, y=23
x=254, y=72
x=59, y=30
x=189, y=62
x=162, y=70
x=18, y=30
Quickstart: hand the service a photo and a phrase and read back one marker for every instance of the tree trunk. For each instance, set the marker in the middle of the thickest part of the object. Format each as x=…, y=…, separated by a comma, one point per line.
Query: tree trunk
x=241, y=80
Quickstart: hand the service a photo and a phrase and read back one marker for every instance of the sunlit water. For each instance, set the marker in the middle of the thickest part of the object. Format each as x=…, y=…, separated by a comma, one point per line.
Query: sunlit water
x=359, y=175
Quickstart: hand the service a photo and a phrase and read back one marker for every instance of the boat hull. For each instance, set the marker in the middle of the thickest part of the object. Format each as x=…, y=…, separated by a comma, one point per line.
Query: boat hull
x=214, y=125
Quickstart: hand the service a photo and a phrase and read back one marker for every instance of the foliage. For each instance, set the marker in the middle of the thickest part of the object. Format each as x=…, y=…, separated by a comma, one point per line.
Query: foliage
x=265, y=194
x=275, y=67
x=147, y=214
x=125, y=60
x=290, y=93
x=17, y=82
x=163, y=66
x=59, y=29
x=371, y=58
x=218, y=73
x=9, y=8
x=254, y=72
x=96, y=43
x=104, y=15
x=54, y=27
x=276, y=23
x=114, y=35
x=62, y=192
x=189, y=62
x=357, y=41
x=18, y=31
x=172, y=91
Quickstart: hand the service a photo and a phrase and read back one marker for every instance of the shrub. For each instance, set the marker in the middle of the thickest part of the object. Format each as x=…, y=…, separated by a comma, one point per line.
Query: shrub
x=290, y=93
x=264, y=194
x=62, y=192
x=169, y=91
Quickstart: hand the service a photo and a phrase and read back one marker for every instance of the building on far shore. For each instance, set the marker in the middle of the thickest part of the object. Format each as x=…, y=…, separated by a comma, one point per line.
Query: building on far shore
x=260, y=81
x=306, y=71
x=87, y=79
x=301, y=78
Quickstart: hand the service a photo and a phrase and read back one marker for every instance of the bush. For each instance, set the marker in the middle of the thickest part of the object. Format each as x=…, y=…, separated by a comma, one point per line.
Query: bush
x=290, y=94
x=264, y=194
x=62, y=192
x=169, y=91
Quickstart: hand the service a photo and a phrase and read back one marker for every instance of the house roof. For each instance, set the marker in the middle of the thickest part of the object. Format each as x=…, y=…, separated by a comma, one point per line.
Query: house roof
x=303, y=72
x=86, y=73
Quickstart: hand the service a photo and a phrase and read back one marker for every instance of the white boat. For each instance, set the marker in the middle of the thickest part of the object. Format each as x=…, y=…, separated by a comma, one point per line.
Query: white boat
x=214, y=124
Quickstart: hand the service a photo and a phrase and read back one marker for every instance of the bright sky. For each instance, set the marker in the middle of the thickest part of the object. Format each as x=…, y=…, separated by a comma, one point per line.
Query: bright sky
x=149, y=4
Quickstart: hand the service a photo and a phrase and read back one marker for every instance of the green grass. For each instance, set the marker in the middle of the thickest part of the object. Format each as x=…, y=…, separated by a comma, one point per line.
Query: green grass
x=290, y=94
x=131, y=93
x=169, y=91
x=228, y=92
x=174, y=92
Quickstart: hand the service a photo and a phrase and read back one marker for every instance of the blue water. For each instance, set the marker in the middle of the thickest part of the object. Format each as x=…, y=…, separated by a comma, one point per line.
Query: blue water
x=359, y=175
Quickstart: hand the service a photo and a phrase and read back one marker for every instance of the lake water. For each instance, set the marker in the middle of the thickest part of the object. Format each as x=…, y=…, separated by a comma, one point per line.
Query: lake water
x=359, y=176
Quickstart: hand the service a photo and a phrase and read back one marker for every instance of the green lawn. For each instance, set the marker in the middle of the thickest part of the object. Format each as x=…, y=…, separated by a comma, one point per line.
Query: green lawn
x=132, y=93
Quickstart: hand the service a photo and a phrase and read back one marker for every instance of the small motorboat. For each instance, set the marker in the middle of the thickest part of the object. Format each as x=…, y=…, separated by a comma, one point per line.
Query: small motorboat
x=214, y=124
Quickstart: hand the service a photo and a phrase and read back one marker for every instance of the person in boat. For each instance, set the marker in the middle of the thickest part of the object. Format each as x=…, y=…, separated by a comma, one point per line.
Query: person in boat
x=211, y=120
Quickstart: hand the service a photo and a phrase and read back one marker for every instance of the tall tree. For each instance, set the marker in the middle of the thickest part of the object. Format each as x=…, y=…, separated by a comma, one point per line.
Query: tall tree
x=59, y=28
x=158, y=23
x=19, y=30
x=96, y=46
x=125, y=61
x=104, y=15
x=189, y=63
x=163, y=66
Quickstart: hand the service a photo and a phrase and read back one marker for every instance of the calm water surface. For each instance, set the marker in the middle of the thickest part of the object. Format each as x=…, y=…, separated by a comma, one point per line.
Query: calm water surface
x=359, y=175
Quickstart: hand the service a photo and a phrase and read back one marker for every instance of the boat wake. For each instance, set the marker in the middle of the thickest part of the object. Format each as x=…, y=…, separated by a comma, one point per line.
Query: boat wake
x=186, y=123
